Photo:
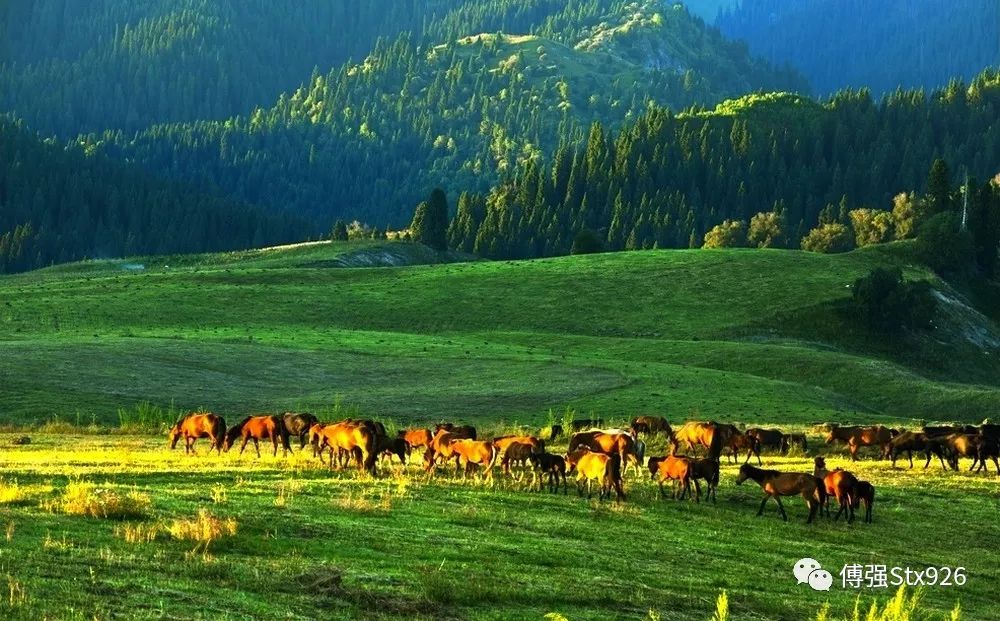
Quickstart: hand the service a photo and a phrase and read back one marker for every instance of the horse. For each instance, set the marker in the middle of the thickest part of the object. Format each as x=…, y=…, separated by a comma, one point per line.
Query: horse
x=794, y=439
x=856, y=437
x=417, y=437
x=347, y=436
x=387, y=447
x=653, y=424
x=592, y=466
x=473, y=452
x=440, y=449
x=841, y=485
x=962, y=445
x=554, y=466
x=258, y=428
x=555, y=431
x=989, y=448
x=622, y=444
x=516, y=453
x=740, y=441
x=777, y=484
x=708, y=469
x=586, y=423
x=910, y=441
x=711, y=435
x=947, y=430
x=198, y=425
x=864, y=493
x=677, y=469
x=502, y=442
x=462, y=431
x=767, y=438
x=298, y=424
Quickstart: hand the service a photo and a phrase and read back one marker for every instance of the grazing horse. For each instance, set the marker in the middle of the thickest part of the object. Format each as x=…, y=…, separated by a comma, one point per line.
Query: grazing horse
x=676, y=469
x=461, y=431
x=777, y=484
x=767, y=439
x=347, y=436
x=592, y=466
x=864, y=493
x=503, y=442
x=621, y=444
x=856, y=437
x=707, y=469
x=198, y=425
x=653, y=424
x=554, y=466
x=440, y=449
x=298, y=424
x=387, y=447
x=910, y=441
x=517, y=453
x=743, y=441
x=841, y=485
x=962, y=445
x=711, y=435
x=258, y=428
x=474, y=453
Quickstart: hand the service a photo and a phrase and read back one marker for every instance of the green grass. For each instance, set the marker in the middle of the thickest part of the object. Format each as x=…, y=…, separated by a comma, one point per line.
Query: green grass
x=309, y=544
x=740, y=335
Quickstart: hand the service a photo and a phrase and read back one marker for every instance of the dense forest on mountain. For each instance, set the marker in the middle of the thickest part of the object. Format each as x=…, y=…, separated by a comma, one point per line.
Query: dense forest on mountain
x=878, y=44
x=59, y=204
x=664, y=180
x=368, y=139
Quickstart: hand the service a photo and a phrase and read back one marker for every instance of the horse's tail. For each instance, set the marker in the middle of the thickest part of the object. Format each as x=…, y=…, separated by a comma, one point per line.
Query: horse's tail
x=283, y=432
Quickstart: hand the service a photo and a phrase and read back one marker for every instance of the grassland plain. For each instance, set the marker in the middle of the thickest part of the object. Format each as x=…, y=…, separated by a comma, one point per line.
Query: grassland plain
x=314, y=545
x=744, y=336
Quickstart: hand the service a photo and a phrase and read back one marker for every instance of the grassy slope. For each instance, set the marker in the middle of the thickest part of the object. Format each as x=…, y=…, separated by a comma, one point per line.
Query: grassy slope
x=683, y=333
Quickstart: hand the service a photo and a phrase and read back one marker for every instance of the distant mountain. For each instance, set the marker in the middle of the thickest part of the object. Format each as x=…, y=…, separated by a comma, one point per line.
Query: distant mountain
x=878, y=44
x=61, y=204
x=369, y=139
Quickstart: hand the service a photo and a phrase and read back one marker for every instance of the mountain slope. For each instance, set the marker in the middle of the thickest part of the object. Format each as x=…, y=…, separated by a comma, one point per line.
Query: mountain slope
x=61, y=204
x=878, y=45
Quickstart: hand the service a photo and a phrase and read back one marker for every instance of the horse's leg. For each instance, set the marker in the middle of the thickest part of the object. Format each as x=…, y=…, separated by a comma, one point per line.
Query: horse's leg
x=244, y=445
x=760, y=511
x=842, y=509
x=910, y=455
x=256, y=446
x=781, y=508
x=697, y=489
x=274, y=441
x=811, y=503
x=854, y=450
x=756, y=451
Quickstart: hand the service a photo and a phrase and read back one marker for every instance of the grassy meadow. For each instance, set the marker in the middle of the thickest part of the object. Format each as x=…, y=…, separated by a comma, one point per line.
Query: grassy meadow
x=96, y=356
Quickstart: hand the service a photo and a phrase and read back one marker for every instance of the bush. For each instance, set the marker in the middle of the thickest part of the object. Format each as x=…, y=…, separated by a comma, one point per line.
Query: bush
x=101, y=502
x=729, y=234
x=871, y=226
x=884, y=303
x=767, y=230
x=828, y=238
x=586, y=242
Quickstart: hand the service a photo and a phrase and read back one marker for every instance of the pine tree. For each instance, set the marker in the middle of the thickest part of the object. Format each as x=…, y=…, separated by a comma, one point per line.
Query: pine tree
x=430, y=221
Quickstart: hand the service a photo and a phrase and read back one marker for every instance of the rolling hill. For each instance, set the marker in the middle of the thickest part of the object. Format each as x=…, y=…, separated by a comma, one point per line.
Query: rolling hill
x=745, y=335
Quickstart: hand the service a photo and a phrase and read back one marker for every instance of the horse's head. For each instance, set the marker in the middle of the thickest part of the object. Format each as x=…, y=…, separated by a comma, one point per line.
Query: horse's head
x=819, y=462
x=231, y=436
x=831, y=434
x=173, y=435
x=745, y=471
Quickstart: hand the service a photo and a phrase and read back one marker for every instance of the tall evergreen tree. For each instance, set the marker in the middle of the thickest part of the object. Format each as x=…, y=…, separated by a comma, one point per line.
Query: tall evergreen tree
x=430, y=221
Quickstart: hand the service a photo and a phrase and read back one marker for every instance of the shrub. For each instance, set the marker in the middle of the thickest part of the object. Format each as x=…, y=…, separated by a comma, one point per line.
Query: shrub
x=884, y=303
x=88, y=500
x=729, y=234
x=767, y=230
x=871, y=226
x=203, y=529
x=943, y=245
x=908, y=213
x=828, y=238
x=586, y=242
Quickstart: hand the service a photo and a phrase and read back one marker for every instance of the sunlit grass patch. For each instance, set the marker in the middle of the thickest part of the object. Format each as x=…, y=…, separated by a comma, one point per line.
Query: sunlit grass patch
x=11, y=492
x=204, y=529
x=87, y=499
x=139, y=532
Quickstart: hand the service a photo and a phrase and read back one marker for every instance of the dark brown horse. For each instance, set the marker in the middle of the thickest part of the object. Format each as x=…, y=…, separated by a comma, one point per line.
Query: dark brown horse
x=796, y=440
x=297, y=424
x=518, y=454
x=910, y=441
x=740, y=442
x=706, y=469
x=767, y=438
x=652, y=425
x=258, y=428
x=461, y=431
x=199, y=425
x=553, y=466
x=389, y=447
x=864, y=494
x=856, y=437
x=777, y=484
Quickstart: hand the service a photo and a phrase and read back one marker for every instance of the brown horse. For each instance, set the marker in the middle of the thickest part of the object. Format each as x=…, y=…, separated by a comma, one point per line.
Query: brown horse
x=621, y=444
x=472, y=453
x=440, y=449
x=856, y=437
x=794, y=439
x=503, y=443
x=518, y=453
x=777, y=484
x=740, y=442
x=258, y=428
x=652, y=424
x=676, y=469
x=910, y=441
x=606, y=469
x=461, y=431
x=708, y=470
x=864, y=493
x=347, y=436
x=962, y=445
x=711, y=435
x=417, y=437
x=841, y=485
x=553, y=466
x=767, y=438
x=298, y=424
x=198, y=425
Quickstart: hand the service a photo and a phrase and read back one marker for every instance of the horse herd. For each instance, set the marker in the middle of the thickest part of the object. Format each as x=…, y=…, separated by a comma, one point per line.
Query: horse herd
x=601, y=457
